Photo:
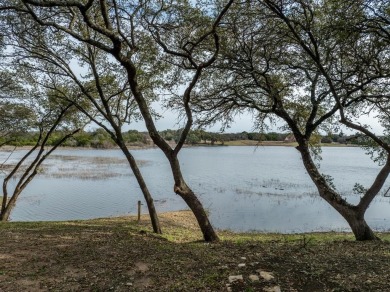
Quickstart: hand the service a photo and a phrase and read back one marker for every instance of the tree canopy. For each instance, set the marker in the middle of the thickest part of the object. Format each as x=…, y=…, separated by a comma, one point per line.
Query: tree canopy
x=312, y=66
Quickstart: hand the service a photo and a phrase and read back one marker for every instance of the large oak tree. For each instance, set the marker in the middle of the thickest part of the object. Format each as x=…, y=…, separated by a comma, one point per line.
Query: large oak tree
x=306, y=64
x=122, y=31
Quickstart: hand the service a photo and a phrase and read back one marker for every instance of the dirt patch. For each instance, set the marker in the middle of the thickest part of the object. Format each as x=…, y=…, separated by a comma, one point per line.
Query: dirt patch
x=120, y=255
x=142, y=267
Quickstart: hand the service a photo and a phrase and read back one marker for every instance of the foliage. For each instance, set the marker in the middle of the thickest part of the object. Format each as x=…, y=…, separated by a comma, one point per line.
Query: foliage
x=312, y=66
x=99, y=138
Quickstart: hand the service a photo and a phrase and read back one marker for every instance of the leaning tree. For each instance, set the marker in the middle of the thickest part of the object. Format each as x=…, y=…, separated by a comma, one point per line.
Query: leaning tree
x=95, y=86
x=22, y=110
x=287, y=60
x=49, y=118
x=122, y=31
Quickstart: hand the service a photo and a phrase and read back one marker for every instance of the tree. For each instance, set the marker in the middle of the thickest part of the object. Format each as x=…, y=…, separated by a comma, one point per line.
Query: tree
x=121, y=30
x=15, y=113
x=101, y=95
x=15, y=118
x=287, y=59
x=358, y=75
x=48, y=122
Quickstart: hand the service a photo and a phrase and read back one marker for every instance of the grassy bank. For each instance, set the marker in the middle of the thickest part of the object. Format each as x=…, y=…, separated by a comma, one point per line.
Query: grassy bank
x=120, y=255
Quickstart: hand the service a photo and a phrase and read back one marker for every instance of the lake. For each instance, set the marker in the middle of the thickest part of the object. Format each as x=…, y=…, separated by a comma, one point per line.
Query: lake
x=244, y=188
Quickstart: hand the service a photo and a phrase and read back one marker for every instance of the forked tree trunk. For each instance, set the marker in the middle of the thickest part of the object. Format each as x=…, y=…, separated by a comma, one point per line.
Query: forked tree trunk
x=352, y=214
x=359, y=227
x=32, y=170
x=180, y=187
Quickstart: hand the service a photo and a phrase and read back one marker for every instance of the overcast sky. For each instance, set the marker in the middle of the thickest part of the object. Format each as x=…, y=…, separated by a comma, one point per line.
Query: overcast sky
x=242, y=123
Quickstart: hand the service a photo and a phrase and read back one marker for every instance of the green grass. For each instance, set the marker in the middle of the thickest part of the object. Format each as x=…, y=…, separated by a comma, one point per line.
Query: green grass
x=103, y=254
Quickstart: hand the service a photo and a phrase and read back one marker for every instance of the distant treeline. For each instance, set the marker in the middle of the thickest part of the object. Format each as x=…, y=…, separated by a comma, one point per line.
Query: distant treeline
x=202, y=137
x=100, y=139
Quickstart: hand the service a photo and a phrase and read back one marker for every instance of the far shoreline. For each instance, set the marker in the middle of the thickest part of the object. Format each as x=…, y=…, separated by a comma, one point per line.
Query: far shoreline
x=237, y=143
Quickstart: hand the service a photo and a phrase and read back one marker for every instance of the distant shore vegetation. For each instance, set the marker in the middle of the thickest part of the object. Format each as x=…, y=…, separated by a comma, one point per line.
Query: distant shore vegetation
x=99, y=138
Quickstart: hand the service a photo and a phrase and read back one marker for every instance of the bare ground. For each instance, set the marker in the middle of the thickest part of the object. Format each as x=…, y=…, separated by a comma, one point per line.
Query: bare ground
x=120, y=255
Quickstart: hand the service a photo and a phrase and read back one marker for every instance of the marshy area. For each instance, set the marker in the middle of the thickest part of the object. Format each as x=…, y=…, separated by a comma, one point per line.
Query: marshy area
x=80, y=167
x=119, y=254
x=243, y=188
x=241, y=193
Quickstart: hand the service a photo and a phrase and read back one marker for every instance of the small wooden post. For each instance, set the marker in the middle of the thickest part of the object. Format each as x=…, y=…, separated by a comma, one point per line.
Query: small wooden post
x=139, y=211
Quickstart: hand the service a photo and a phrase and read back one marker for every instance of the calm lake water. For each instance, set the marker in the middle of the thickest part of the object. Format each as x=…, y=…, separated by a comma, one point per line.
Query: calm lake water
x=244, y=188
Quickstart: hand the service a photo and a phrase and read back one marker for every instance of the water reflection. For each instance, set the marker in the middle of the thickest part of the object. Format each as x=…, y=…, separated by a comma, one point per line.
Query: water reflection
x=244, y=188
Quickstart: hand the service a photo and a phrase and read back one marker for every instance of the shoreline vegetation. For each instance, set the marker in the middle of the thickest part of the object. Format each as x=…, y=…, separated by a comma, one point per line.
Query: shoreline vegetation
x=137, y=146
x=134, y=139
x=306, y=68
x=119, y=254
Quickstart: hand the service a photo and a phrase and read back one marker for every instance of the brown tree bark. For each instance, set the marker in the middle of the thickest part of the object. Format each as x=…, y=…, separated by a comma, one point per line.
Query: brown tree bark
x=354, y=215
x=145, y=191
x=359, y=226
x=32, y=170
x=6, y=211
x=181, y=188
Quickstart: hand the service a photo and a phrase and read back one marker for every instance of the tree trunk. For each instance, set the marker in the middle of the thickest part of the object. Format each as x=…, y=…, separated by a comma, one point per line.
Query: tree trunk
x=6, y=211
x=196, y=207
x=181, y=188
x=359, y=226
x=352, y=214
x=144, y=189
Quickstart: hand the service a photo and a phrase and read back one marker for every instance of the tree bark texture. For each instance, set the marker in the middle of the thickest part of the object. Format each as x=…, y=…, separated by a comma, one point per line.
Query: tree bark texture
x=182, y=189
x=145, y=191
x=6, y=212
x=352, y=214
x=359, y=226
x=196, y=207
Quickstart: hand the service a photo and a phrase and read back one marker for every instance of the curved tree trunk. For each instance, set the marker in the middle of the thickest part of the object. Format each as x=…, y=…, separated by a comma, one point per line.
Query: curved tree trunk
x=192, y=201
x=32, y=169
x=6, y=212
x=352, y=214
x=180, y=187
x=6, y=201
x=144, y=189
x=359, y=226
x=196, y=207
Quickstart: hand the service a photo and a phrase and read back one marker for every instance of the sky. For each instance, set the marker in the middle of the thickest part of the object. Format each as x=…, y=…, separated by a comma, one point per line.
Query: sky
x=243, y=122
x=170, y=121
